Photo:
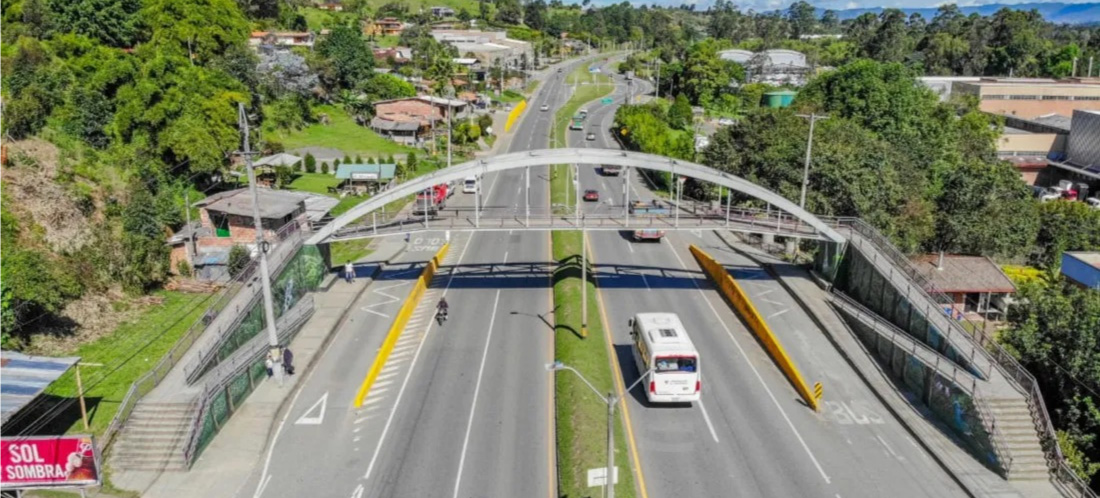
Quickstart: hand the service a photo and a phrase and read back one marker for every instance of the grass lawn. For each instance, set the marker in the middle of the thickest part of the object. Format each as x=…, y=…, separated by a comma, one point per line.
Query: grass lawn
x=341, y=133
x=125, y=354
x=584, y=96
x=386, y=41
x=317, y=18
x=581, y=417
x=317, y=183
x=510, y=96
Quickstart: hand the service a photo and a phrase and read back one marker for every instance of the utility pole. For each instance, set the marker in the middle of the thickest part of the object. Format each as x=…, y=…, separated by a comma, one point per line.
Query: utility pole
x=261, y=247
x=190, y=229
x=658, y=77
x=809, y=152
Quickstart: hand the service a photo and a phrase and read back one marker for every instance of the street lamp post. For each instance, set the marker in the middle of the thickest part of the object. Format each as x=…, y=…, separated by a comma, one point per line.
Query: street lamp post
x=261, y=247
x=809, y=152
x=611, y=400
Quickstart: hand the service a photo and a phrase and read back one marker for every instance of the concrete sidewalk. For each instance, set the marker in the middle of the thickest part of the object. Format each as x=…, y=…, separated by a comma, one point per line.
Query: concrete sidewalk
x=975, y=478
x=225, y=465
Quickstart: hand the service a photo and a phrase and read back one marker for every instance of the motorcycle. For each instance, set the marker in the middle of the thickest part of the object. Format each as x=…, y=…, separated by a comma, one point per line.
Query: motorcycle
x=441, y=315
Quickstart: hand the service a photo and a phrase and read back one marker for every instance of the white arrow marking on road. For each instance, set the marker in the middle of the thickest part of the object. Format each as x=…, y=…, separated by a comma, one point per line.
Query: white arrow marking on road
x=305, y=419
x=358, y=493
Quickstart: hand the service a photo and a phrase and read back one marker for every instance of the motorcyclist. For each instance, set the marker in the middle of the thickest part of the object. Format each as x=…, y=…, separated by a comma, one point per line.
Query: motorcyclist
x=442, y=306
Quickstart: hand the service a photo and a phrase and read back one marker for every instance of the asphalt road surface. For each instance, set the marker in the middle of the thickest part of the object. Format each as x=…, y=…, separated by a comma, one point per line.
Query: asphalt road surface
x=750, y=435
x=462, y=409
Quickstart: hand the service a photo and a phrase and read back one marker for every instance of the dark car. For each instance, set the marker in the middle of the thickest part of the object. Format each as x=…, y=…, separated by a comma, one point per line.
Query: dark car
x=592, y=195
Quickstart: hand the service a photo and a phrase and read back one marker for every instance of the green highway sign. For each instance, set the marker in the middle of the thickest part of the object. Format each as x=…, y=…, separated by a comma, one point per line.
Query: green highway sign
x=606, y=100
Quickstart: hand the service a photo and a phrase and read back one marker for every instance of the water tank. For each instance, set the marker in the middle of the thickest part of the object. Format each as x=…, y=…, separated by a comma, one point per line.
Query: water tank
x=779, y=98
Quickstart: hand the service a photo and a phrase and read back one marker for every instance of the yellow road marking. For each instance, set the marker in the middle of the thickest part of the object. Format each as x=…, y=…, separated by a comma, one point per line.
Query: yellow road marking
x=619, y=384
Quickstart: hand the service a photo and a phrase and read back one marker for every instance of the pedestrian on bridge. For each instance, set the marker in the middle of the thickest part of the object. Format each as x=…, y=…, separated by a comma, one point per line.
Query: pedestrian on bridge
x=349, y=272
x=288, y=359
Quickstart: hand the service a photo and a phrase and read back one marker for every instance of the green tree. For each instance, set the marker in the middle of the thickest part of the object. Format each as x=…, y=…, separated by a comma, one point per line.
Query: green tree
x=385, y=87
x=680, y=115
x=508, y=11
x=310, y=163
x=801, y=17
x=239, y=258
x=193, y=29
x=1065, y=226
x=410, y=160
x=1054, y=332
x=34, y=286
x=358, y=159
x=986, y=209
x=324, y=167
x=348, y=55
x=113, y=22
x=534, y=14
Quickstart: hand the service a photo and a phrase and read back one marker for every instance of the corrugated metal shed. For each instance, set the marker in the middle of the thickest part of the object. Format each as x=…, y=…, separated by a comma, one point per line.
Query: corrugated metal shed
x=1083, y=268
x=25, y=377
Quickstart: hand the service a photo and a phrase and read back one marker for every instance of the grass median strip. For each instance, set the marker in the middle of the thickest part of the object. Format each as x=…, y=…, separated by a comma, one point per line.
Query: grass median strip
x=581, y=416
x=562, y=191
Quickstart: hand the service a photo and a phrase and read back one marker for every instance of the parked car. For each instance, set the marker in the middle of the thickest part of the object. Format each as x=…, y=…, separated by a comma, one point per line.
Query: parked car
x=591, y=195
x=1094, y=202
x=591, y=136
x=544, y=107
x=1048, y=195
x=725, y=122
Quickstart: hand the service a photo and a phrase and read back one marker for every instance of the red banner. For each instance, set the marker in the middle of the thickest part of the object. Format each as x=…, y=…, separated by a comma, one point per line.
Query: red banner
x=48, y=461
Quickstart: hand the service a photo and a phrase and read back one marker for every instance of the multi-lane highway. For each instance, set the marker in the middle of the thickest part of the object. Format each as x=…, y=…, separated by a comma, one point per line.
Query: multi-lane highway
x=750, y=435
x=466, y=408
x=462, y=409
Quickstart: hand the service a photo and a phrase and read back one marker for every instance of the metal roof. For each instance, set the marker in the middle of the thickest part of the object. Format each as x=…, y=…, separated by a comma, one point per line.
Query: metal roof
x=274, y=204
x=964, y=274
x=384, y=171
x=25, y=377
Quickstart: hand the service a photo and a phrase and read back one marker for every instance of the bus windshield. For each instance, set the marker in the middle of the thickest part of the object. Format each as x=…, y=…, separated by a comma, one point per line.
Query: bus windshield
x=668, y=364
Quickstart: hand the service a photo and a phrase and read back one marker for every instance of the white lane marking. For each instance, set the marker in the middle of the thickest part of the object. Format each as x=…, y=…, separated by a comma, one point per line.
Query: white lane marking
x=888, y=448
x=777, y=313
x=383, y=383
x=320, y=405
x=477, y=388
x=263, y=485
x=631, y=247
x=264, y=476
x=757, y=372
x=706, y=417
x=405, y=383
x=383, y=315
x=358, y=493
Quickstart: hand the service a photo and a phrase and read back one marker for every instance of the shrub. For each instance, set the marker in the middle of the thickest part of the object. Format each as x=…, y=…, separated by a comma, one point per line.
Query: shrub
x=239, y=257
x=347, y=159
x=311, y=163
x=324, y=168
x=184, y=268
x=358, y=160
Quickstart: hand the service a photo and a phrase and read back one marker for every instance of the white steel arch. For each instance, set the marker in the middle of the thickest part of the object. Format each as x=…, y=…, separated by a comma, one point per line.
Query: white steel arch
x=546, y=157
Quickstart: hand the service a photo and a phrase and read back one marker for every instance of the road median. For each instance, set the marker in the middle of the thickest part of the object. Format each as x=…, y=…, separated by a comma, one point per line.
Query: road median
x=581, y=417
x=731, y=290
x=399, y=323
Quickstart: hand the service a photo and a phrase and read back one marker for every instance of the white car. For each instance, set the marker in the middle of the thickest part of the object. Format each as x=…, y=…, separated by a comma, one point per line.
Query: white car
x=1050, y=194
x=1094, y=202
x=544, y=107
x=469, y=186
x=725, y=122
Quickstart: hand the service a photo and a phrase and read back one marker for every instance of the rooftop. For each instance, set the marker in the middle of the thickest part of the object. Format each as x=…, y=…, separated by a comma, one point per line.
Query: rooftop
x=25, y=377
x=365, y=171
x=274, y=204
x=964, y=273
x=1091, y=258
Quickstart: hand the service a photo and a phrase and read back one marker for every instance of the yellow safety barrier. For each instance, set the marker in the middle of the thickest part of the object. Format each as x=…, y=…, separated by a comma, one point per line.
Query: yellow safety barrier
x=740, y=301
x=422, y=283
x=514, y=115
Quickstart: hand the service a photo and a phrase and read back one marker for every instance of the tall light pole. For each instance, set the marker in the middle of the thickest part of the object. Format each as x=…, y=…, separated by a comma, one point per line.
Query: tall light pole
x=809, y=152
x=611, y=400
x=261, y=246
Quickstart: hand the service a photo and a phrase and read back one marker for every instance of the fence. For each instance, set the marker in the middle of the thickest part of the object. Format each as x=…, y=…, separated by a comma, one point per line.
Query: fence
x=1064, y=475
x=953, y=395
x=151, y=379
x=296, y=276
x=235, y=379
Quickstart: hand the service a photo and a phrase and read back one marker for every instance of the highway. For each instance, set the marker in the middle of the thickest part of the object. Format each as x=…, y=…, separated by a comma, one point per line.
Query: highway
x=456, y=403
x=750, y=435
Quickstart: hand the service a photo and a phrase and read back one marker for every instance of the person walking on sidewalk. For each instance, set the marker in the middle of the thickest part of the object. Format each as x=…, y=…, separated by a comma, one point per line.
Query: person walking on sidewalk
x=349, y=272
x=288, y=359
x=270, y=365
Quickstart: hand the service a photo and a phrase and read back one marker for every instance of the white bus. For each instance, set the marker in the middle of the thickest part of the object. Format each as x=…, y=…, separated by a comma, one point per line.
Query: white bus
x=661, y=343
x=469, y=186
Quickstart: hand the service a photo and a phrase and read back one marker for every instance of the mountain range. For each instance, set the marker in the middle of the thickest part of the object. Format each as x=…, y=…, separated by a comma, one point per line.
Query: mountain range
x=1068, y=13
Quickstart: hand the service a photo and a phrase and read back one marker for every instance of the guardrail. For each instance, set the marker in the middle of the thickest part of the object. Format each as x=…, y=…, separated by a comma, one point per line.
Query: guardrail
x=947, y=369
x=151, y=379
x=1005, y=362
x=241, y=362
x=740, y=301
